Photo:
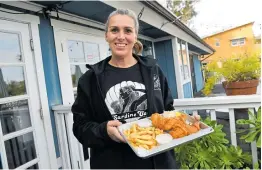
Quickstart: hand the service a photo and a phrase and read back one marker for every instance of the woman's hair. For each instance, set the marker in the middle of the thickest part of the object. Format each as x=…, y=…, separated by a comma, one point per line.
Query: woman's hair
x=138, y=46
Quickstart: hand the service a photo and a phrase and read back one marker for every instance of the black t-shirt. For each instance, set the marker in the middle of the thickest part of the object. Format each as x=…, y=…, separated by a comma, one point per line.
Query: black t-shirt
x=124, y=92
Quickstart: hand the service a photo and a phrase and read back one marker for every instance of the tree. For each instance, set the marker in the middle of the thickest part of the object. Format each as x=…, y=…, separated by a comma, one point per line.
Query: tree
x=184, y=9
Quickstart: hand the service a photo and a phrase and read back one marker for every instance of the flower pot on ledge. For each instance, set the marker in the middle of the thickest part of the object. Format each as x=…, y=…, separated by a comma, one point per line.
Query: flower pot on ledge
x=241, y=88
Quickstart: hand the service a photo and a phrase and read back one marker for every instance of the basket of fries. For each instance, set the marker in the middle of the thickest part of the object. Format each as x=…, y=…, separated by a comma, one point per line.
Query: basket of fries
x=162, y=132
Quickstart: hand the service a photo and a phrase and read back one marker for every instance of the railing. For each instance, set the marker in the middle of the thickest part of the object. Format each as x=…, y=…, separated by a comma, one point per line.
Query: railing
x=71, y=151
x=226, y=104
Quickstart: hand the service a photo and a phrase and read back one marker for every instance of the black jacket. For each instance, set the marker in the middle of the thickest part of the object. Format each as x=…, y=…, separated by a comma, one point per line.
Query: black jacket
x=91, y=115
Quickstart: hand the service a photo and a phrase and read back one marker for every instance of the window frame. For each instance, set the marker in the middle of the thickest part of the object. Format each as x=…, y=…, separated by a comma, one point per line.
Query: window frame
x=238, y=42
x=182, y=67
x=217, y=43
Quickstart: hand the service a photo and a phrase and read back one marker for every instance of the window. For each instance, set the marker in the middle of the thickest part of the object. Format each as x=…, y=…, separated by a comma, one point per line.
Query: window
x=238, y=42
x=80, y=53
x=217, y=43
x=147, y=48
x=183, y=59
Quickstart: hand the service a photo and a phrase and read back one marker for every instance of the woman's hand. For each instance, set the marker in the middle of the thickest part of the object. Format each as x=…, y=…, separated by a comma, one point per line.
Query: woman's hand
x=113, y=131
x=196, y=117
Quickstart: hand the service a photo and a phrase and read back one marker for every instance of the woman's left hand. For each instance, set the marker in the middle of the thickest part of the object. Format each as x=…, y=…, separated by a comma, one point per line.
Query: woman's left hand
x=196, y=117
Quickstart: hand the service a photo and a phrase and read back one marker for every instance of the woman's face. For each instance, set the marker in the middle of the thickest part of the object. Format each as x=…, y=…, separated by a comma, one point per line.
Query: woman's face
x=121, y=35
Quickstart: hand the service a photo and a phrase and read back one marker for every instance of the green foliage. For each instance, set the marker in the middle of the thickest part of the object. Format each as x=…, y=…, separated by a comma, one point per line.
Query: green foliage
x=211, y=152
x=184, y=9
x=254, y=132
x=16, y=88
x=245, y=67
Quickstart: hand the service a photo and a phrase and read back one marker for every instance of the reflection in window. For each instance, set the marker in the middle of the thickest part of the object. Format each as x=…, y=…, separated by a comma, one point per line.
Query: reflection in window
x=14, y=116
x=20, y=150
x=91, y=52
x=183, y=58
x=76, y=72
x=12, y=81
x=10, y=51
x=75, y=51
x=147, y=48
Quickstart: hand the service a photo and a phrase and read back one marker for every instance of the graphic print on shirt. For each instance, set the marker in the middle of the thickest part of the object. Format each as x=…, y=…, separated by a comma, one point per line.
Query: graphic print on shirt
x=127, y=101
x=156, y=82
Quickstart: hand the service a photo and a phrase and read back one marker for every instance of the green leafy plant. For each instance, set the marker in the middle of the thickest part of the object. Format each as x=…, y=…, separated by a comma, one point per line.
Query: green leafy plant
x=237, y=68
x=211, y=152
x=254, y=132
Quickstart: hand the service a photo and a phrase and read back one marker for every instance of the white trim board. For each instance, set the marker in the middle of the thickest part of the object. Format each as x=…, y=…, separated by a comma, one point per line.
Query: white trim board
x=193, y=53
x=21, y=18
x=43, y=94
x=163, y=38
x=189, y=71
x=23, y=4
x=180, y=89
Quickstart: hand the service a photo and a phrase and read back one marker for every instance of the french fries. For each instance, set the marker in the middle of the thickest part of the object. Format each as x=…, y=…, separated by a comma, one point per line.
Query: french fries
x=142, y=137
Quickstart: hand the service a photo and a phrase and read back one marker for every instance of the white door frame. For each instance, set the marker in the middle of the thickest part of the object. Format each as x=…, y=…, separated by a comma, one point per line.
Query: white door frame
x=33, y=22
x=179, y=77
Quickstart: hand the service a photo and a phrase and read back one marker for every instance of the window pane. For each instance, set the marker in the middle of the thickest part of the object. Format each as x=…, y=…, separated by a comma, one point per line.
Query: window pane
x=184, y=53
x=10, y=51
x=20, y=150
x=14, y=116
x=75, y=51
x=234, y=42
x=179, y=52
x=33, y=167
x=147, y=48
x=184, y=60
x=76, y=72
x=91, y=52
x=12, y=81
x=186, y=70
x=241, y=41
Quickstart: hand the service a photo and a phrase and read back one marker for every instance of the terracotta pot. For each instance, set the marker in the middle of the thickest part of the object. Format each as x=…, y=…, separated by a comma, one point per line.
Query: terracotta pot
x=241, y=87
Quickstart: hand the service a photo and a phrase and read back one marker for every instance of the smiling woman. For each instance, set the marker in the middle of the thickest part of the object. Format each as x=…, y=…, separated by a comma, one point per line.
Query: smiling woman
x=122, y=88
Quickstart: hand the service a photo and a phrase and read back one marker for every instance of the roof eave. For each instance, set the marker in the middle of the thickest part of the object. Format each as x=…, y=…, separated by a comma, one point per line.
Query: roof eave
x=171, y=17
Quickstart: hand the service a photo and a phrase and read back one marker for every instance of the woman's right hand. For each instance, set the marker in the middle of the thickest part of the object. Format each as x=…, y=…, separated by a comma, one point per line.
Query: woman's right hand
x=113, y=131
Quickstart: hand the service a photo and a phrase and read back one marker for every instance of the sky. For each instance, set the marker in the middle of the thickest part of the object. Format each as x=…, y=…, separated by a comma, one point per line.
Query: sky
x=215, y=15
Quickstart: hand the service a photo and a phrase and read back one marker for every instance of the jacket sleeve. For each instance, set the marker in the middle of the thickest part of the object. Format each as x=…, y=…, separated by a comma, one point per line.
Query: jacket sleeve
x=88, y=132
x=166, y=92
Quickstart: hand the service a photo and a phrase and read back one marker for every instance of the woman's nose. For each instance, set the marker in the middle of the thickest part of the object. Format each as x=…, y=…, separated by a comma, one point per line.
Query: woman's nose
x=121, y=35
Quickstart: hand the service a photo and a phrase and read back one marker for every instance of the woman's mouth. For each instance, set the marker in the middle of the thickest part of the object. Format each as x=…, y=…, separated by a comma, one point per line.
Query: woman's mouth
x=120, y=45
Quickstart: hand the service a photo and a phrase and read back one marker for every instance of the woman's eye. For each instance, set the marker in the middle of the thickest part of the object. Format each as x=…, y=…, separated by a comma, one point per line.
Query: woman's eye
x=114, y=30
x=128, y=30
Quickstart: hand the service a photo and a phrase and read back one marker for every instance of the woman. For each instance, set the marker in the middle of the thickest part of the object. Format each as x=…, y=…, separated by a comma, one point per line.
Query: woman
x=122, y=88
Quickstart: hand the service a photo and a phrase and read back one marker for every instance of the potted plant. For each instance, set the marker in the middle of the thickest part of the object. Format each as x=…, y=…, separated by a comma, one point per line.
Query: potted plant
x=241, y=74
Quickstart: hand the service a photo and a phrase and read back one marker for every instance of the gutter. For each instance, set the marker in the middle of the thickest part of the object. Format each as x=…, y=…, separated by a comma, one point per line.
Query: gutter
x=207, y=57
x=154, y=5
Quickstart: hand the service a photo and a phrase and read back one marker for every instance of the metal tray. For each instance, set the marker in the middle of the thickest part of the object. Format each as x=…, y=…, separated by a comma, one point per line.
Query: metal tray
x=143, y=153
